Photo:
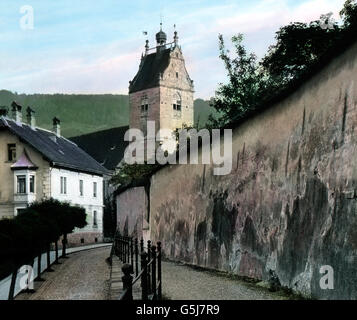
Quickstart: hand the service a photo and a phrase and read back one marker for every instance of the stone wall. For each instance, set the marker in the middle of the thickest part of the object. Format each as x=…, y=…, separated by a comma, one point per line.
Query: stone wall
x=132, y=212
x=290, y=202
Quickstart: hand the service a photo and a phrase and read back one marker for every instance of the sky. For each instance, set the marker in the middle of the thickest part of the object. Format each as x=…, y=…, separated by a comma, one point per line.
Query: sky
x=91, y=46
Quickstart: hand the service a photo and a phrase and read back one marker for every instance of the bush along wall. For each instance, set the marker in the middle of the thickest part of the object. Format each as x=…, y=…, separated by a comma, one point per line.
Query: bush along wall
x=31, y=233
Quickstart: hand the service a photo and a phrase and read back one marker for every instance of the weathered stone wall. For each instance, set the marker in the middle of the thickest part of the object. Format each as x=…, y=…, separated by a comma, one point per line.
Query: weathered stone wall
x=176, y=81
x=290, y=202
x=138, y=119
x=132, y=212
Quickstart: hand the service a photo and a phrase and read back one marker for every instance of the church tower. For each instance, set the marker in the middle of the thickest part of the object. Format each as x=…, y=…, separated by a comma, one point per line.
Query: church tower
x=162, y=90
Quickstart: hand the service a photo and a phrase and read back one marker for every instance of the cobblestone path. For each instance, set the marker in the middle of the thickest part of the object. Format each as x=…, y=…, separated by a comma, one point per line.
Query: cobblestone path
x=86, y=275
x=83, y=276
x=182, y=282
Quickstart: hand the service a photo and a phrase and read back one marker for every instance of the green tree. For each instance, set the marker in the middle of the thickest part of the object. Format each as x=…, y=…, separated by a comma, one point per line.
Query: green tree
x=298, y=46
x=246, y=85
x=349, y=15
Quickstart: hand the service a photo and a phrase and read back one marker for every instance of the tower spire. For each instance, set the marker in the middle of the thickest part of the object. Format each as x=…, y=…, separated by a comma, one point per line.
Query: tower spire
x=146, y=47
x=175, y=35
x=161, y=38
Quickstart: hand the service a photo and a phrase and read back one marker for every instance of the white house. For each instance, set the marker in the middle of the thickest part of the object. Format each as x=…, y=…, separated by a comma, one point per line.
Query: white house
x=36, y=163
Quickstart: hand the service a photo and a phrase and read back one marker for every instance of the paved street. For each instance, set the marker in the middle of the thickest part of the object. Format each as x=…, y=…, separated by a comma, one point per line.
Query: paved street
x=183, y=282
x=84, y=276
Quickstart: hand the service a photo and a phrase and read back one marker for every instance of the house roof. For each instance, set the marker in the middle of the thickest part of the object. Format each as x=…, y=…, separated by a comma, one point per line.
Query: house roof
x=106, y=146
x=58, y=150
x=149, y=71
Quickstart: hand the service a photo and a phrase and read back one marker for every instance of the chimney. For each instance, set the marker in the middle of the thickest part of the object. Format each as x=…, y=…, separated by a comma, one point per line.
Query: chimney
x=30, y=117
x=16, y=112
x=56, y=127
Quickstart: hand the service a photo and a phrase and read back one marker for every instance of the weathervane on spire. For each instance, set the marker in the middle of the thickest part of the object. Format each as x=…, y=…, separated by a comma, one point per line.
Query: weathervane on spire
x=160, y=22
x=175, y=35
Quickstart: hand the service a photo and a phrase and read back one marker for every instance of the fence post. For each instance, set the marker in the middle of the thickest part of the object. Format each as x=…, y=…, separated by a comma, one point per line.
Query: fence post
x=116, y=246
x=132, y=253
x=123, y=249
x=49, y=269
x=128, y=248
x=153, y=271
x=12, y=285
x=148, y=272
x=144, y=289
x=56, y=250
x=120, y=240
x=159, y=278
x=39, y=267
x=127, y=282
x=136, y=257
x=64, y=243
x=141, y=245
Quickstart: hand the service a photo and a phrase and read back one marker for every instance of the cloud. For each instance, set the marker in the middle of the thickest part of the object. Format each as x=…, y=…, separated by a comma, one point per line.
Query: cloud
x=95, y=60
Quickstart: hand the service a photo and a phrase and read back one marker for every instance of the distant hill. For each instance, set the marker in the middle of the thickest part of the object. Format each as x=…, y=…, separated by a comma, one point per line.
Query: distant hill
x=82, y=114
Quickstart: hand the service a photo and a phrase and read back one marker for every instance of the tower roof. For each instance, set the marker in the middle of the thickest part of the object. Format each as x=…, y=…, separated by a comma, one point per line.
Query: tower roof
x=152, y=66
x=161, y=37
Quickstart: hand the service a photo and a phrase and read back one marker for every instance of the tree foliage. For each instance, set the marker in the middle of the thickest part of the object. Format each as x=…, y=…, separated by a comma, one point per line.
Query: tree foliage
x=246, y=83
x=130, y=172
x=298, y=47
x=25, y=236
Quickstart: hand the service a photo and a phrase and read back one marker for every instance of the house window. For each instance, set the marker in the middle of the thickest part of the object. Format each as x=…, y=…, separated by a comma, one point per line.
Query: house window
x=32, y=184
x=94, y=189
x=11, y=152
x=81, y=188
x=21, y=184
x=20, y=210
x=63, y=185
x=95, y=223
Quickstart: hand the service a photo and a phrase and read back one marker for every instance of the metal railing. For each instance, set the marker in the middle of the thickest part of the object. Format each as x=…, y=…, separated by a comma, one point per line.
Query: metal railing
x=129, y=250
x=44, y=250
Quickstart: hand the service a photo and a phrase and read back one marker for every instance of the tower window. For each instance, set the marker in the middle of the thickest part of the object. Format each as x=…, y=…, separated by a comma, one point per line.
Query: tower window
x=176, y=104
x=11, y=152
x=144, y=104
x=176, y=74
x=144, y=107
